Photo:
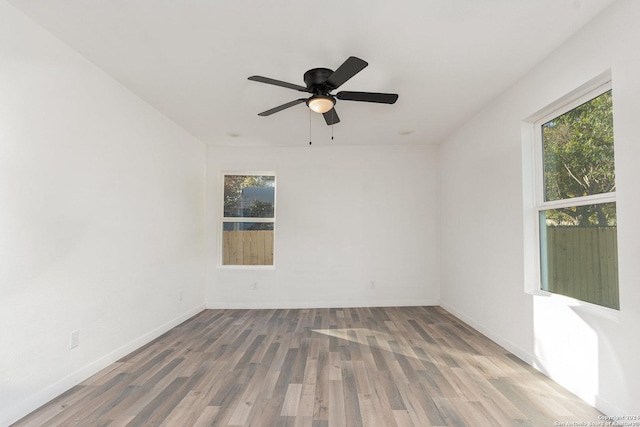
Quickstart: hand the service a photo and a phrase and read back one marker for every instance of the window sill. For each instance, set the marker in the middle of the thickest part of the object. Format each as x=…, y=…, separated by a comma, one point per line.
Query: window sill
x=246, y=267
x=580, y=307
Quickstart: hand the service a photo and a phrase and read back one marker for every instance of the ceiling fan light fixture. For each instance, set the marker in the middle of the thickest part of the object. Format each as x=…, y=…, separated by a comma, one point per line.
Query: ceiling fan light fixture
x=319, y=83
x=321, y=104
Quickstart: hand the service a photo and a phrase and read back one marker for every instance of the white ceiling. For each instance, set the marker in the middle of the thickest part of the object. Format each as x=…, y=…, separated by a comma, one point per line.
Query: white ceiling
x=190, y=59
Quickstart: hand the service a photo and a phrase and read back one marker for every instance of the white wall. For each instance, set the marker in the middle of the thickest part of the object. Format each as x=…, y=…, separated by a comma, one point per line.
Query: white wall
x=101, y=218
x=483, y=257
x=346, y=216
x=102, y=222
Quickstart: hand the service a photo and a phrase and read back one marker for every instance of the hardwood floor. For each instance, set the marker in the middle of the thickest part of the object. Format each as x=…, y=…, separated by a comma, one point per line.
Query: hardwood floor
x=405, y=366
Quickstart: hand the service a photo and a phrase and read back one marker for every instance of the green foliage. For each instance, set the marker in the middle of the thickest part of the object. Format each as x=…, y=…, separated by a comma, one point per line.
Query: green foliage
x=260, y=209
x=579, y=161
x=261, y=226
x=233, y=186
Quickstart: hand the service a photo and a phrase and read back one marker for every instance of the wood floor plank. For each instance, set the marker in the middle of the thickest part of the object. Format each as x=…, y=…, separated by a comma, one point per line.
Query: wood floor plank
x=350, y=393
x=291, y=400
x=403, y=418
x=389, y=388
x=245, y=405
x=207, y=416
x=337, y=413
x=306, y=405
x=321, y=367
x=320, y=411
x=382, y=413
x=421, y=408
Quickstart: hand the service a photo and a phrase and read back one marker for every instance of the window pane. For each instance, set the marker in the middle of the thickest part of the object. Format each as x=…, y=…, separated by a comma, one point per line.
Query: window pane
x=579, y=253
x=578, y=151
x=247, y=243
x=249, y=196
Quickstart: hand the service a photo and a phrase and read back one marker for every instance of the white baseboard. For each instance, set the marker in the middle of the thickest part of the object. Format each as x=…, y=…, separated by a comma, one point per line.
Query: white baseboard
x=52, y=391
x=318, y=304
x=531, y=359
x=500, y=340
x=610, y=409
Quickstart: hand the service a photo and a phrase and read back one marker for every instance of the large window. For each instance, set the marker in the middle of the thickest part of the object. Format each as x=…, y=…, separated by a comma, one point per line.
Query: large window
x=248, y=219
x=576, y=200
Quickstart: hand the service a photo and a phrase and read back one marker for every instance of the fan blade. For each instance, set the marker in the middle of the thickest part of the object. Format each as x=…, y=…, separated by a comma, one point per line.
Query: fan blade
x=278, y=83
x=348, y=69
x=282, y=107
x=331, y=117
x=382, y=98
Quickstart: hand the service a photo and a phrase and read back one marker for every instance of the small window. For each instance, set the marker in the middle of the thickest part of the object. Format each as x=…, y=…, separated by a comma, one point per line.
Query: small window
x=577, y=200
x=248, y=219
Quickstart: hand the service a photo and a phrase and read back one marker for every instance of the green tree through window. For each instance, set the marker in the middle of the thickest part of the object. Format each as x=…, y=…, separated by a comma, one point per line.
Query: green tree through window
x=579, y=160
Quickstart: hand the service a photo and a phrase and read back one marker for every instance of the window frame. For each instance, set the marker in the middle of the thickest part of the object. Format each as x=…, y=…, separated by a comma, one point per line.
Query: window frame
x=224, y=219
x=541, y=204
x=534, y=190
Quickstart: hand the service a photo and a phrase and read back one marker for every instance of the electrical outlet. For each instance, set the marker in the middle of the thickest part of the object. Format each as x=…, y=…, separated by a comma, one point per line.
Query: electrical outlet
x=75, y=339
x=372, y=285
x=254, y=285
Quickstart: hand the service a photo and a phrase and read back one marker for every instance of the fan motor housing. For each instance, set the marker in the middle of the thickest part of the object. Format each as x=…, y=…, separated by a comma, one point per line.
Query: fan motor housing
x=316, y=78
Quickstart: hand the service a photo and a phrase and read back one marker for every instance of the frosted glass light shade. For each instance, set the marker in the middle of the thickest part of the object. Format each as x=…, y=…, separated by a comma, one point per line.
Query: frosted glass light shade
x=321, y=104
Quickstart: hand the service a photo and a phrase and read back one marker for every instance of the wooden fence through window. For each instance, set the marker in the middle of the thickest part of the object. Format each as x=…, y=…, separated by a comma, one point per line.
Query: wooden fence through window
x=582, y=262
x=250, y=247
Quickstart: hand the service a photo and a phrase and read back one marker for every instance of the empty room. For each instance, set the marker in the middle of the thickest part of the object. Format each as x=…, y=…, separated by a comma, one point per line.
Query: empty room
x=358, y=213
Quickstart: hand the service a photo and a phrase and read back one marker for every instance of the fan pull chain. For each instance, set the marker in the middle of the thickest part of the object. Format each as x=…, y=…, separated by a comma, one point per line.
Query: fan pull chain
x=333, y=114
x=309, y=127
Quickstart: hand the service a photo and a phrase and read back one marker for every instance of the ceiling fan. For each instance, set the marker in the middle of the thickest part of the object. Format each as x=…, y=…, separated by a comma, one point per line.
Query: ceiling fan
x=320, y=82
